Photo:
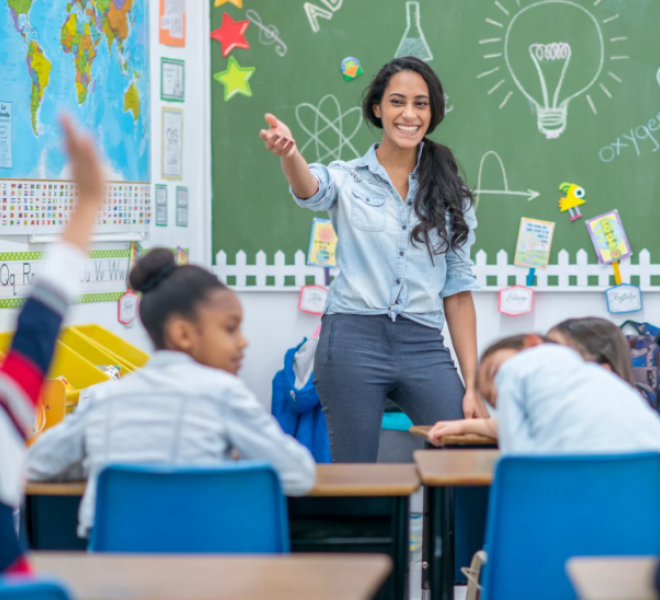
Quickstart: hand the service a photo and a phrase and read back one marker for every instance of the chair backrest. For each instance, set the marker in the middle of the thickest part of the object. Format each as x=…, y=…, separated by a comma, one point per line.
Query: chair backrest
x=544, y=510
x=22, y=588
x=236, y=507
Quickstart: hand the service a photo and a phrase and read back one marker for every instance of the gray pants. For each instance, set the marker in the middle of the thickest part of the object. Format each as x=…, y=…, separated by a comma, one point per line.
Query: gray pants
x=361, y=360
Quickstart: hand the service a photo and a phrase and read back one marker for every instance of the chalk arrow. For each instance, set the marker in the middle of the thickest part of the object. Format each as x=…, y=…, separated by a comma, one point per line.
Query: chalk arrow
x=531, y=194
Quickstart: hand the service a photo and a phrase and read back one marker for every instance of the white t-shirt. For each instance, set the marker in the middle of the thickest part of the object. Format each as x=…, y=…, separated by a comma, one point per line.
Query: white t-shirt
x=549, y=400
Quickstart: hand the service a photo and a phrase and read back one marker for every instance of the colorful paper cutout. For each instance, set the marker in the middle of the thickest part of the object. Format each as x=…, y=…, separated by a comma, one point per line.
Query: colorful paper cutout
x=624, y=298
x=322, y=244
x=516, y=300
x=182, y=257
x=238, y=3
x=231, y=34
x=235, y=79
x=608, y=237
x=351, y=68
x=534, y=243
x=574, y=197
x=312, y=299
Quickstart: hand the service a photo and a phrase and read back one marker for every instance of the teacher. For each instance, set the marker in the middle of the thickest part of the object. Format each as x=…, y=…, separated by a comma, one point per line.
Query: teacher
x=405, y=222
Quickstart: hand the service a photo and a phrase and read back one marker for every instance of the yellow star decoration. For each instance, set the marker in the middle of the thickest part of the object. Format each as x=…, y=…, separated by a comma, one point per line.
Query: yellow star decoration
x=235, y=79
x=238, y=3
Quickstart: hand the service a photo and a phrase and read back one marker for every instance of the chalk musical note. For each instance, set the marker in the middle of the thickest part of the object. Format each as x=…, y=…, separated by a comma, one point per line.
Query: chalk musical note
x=268, y=34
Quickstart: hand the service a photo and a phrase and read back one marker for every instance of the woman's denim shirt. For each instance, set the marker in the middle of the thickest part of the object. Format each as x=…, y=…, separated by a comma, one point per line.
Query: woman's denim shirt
x=382, y=270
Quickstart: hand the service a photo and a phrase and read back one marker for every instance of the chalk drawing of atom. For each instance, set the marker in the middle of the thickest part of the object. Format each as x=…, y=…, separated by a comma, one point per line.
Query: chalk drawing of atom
x=330, y=131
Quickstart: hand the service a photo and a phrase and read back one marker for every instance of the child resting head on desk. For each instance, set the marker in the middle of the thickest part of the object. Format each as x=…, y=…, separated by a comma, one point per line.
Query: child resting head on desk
x=551, y=399
x=186, y=406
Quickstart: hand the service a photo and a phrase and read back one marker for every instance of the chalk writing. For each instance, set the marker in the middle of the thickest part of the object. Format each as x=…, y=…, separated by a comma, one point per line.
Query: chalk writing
x=639, y=139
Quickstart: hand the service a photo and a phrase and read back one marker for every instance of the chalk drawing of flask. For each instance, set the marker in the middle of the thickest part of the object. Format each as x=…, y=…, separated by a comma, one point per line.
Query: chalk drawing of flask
x=413, y=42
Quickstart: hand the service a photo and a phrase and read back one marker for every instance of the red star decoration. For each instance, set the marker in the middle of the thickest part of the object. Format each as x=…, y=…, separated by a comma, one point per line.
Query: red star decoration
x=231, y=34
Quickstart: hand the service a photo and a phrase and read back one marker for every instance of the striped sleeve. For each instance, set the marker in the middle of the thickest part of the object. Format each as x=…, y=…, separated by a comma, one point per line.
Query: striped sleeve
x=25, y=367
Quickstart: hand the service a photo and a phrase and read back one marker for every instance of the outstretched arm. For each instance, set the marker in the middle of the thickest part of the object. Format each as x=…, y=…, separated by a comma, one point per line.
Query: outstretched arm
x=280, y=142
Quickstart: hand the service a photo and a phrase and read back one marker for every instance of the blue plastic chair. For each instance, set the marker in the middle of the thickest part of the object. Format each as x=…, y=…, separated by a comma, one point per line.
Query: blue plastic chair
x=23, y=588
x=237, y=507
x=544, y=510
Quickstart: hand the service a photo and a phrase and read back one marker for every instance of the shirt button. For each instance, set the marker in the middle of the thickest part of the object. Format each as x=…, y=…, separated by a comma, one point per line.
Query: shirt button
x=398, y=281
x=401, y=253
x=409, y=203
x=404, y=228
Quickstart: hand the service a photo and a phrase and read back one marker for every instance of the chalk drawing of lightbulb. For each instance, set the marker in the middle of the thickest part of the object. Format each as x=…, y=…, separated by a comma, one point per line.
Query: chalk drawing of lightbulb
x=555, y=51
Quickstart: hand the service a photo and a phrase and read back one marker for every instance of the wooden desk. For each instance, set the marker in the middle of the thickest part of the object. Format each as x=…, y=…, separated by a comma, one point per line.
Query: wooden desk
x=613, y=577
x=352, y=508
x=456, y=467
x=167, y=577
x=440, y=473
x=73, y=488
x=454, y=440
x=359, y=508
x=365, y=480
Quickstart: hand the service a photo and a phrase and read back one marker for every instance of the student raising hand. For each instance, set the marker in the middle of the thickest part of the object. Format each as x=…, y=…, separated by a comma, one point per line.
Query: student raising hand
x=23, y=371
x=88, y=175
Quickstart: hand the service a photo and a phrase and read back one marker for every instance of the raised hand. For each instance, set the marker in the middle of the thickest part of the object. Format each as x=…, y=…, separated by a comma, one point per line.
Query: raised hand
x=87, y=174
x=278, y=137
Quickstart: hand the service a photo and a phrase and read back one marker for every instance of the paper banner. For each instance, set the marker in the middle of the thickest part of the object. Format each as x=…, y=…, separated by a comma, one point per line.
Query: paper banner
x=608, y=237
x=534, y=243
x=172, y=23
x=127, y=308
x=516, y=300
x=322, y=244
x=624, y=298
x=312, y=299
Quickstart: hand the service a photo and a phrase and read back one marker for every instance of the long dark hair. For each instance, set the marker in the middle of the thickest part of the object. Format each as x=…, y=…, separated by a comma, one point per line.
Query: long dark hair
x=600, y=341
x=441, y=194
x=168, y=289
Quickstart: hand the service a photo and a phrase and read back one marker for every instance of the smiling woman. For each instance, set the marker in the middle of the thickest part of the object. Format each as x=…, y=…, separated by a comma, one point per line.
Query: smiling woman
x=405, y=224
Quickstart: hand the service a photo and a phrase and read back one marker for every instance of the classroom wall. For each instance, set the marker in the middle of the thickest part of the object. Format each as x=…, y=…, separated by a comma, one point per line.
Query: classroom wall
x=196, y=170
x=273, y=324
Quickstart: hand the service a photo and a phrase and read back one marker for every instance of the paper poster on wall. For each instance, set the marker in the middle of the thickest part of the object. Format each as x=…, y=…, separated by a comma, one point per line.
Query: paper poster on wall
x=322, y=244
x=182, y=206
x=534, y=243
x=6, y=161
x=608, y=237
x=172, y=143
x=172, y=80
x=172, y=23
x=161, y=205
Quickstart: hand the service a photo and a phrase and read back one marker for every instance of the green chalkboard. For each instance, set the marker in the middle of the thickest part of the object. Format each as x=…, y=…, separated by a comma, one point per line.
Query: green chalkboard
x=603, y=134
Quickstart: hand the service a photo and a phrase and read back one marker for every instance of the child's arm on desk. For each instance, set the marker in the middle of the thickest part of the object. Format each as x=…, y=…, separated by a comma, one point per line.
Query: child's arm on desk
x=485, y=427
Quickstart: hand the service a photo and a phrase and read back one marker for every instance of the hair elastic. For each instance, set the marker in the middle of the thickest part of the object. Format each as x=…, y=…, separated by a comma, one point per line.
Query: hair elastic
x=157, y=277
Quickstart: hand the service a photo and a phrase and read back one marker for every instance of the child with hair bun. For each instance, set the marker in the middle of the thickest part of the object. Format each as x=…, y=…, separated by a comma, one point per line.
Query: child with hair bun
x=186, y=406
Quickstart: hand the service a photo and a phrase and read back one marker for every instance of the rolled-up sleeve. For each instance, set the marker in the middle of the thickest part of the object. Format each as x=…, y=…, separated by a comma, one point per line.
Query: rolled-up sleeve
x=325, y=198
x=460, y=277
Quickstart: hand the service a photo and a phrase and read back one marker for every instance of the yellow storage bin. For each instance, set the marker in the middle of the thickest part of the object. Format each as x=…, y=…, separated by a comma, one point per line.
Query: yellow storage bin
x=76, y=369
x=67, y=363
x=93, y=352
x=114, y=345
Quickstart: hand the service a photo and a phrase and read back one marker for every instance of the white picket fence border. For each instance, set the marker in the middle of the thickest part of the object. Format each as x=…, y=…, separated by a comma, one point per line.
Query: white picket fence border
x=492, y=278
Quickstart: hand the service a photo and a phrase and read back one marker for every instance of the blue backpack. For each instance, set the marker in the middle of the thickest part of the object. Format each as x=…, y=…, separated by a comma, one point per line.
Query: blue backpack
x=645, y=353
